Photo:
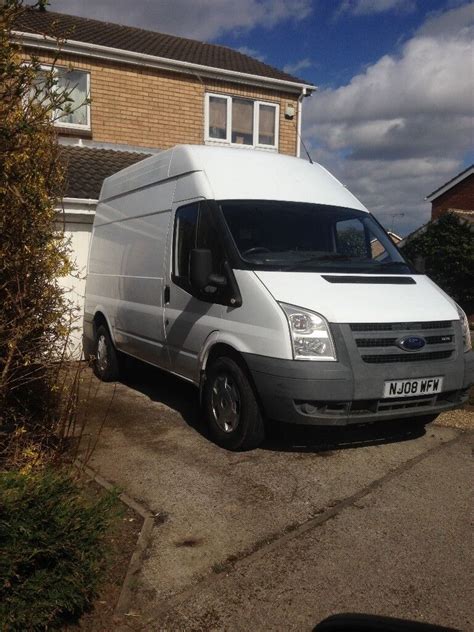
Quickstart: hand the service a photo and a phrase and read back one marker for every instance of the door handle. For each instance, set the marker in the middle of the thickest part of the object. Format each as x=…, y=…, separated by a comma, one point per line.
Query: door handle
x=166, y=294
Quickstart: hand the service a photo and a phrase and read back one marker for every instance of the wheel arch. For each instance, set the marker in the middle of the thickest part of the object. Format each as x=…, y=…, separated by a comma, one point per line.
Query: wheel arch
x=100, y=318
x=217, y=346
x=218, y=343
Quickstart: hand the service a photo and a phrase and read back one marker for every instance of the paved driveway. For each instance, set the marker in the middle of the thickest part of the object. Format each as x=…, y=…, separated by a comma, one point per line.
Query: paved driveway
x=372, y=520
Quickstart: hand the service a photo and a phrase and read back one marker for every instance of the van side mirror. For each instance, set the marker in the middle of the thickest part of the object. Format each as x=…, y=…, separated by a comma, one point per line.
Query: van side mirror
x=200, y=270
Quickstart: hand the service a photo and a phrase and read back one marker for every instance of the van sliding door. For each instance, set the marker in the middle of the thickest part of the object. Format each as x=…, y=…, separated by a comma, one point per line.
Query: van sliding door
x=139, y=246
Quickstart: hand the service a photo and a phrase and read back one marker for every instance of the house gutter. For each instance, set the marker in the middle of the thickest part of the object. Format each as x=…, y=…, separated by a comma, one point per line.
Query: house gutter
x=87, y=202
x=79, y=210
x=74, y=47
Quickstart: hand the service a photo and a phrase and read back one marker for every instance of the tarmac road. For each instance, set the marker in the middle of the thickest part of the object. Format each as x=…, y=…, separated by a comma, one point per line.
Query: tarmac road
x=374, y=519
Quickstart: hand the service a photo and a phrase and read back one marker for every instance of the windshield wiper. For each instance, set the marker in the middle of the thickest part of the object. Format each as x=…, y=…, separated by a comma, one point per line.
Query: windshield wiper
x=333, y=257
x=390, y=264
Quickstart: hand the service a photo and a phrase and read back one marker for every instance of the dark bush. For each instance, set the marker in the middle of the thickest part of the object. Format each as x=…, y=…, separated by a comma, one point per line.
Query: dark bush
x=52, y=548
x=36, y=315
x=447, y=247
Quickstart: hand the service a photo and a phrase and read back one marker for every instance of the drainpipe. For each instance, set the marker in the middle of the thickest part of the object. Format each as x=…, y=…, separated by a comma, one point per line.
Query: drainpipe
x=300, y=111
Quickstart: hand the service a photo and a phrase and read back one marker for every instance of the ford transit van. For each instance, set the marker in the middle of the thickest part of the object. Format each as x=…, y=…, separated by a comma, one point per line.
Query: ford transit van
x=262, y=280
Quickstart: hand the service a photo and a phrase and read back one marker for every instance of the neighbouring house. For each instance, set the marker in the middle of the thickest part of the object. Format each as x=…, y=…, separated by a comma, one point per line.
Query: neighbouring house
x=456, y=196
x=149, y=91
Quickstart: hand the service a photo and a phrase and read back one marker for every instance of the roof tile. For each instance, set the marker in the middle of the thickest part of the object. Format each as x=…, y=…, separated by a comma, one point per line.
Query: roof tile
x=86, y=168
x=129, y=38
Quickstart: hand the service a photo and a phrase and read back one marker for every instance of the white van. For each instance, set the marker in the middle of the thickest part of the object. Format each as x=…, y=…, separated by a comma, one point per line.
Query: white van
x=259, y=278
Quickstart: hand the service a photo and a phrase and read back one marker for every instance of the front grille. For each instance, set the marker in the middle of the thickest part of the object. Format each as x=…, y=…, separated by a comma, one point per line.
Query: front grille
x=376, y=342
x=438, y=340
x=375, y=348
x=391, y=342
x=437, y=324
x=406, y=357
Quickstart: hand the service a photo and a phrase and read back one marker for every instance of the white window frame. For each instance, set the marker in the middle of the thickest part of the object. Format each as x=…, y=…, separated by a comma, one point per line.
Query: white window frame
x=256, y=110
x=57, y=123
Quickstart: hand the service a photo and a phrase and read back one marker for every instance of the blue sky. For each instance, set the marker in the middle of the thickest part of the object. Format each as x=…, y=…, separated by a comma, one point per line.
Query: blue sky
x=393, y=116
x=333, y=45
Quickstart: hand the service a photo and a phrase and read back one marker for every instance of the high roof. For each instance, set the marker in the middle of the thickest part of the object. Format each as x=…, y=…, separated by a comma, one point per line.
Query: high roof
x=236, y=174
x=148, y=43
x=450, y=183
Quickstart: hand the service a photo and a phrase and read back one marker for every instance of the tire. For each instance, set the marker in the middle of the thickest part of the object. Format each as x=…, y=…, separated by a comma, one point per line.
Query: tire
x=106, y=361
x=231, y=407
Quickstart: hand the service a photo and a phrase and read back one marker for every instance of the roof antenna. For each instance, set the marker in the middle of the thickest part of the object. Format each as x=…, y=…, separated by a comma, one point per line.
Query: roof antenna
x=304, y=147
x=302, y=141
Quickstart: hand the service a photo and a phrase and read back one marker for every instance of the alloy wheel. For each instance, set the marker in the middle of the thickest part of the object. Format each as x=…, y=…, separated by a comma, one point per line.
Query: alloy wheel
x=225, y=402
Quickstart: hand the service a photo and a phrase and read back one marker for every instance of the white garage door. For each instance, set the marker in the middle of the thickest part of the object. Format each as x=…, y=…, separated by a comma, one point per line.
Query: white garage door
x=78, y=229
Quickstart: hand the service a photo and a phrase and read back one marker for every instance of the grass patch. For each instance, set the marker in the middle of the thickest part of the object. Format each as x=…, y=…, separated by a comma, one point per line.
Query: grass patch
x=53, y=548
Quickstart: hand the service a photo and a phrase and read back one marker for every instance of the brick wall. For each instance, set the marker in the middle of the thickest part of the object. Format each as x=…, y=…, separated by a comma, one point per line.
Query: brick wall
x=460, y=196
x=158, y=108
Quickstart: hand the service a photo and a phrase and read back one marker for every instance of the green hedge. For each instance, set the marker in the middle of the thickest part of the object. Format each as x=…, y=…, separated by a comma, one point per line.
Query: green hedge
x=52, y=548
x=447, y=247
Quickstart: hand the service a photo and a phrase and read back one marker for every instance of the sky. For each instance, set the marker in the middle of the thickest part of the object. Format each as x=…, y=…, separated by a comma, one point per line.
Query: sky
x=393, y=116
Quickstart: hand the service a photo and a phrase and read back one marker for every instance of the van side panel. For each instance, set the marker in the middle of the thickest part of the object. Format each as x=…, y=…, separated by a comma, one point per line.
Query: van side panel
x=126, y=270
x=192, y=186
x=136, y=177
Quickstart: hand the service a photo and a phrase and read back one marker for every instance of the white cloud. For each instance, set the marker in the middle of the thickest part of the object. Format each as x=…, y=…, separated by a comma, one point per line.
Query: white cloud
x=402, y=127
x=370, y=7
x=448, y=24
x=199, y=19
x=296, y=67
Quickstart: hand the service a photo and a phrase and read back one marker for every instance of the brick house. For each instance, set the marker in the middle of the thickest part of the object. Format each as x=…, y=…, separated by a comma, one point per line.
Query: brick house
x=456, y=195
x=149, y=91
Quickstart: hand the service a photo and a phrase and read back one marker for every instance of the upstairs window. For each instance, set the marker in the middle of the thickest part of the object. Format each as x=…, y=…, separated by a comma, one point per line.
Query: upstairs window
x=241, y=122
x=76, y=112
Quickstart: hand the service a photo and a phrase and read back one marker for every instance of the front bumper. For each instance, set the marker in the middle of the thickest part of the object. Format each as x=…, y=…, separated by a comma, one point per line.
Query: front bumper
x=350, y=391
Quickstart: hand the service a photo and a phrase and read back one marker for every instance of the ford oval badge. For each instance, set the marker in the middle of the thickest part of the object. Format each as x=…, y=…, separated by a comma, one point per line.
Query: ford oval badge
x=411, y=343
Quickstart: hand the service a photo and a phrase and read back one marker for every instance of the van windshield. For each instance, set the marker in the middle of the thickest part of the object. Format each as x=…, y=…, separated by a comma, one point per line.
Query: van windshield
x=310, y=237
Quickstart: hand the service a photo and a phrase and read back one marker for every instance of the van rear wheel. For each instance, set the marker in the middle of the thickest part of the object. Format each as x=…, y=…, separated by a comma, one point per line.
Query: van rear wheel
x=106, y=361
x=231, y=407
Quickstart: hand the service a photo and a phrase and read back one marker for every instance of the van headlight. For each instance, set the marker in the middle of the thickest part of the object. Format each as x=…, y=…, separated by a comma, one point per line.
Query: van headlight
x=466, y=334
x=310, y=335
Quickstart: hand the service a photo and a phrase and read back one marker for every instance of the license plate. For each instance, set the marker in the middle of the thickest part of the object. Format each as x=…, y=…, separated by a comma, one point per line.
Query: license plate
x=411, y=388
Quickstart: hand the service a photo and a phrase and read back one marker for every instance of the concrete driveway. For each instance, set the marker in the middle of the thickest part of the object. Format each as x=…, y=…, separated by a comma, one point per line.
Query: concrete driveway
x=374, y=519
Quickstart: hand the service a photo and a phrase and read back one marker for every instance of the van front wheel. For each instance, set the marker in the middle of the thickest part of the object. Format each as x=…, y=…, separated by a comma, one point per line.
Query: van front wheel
x=106, y=361
x=231, y=408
